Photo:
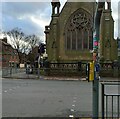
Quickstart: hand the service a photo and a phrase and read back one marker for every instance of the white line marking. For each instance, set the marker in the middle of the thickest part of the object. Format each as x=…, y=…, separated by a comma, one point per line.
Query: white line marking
x=72, y=110
x=73, y=105
x=71, y=116
x=5, y=91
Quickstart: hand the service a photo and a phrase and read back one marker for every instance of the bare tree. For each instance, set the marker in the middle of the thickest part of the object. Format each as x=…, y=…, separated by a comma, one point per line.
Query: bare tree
x=32, y=40
x=18, y=42
x=21, y=42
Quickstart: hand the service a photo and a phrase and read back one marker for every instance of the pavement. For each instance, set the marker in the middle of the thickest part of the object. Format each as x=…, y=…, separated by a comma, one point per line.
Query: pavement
x=23, y=75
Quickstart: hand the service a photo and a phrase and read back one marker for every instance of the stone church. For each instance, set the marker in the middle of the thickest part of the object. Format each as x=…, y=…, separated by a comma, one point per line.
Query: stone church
x=69, y=36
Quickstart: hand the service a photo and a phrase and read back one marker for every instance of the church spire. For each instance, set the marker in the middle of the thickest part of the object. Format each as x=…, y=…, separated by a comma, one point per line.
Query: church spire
x=55, y=7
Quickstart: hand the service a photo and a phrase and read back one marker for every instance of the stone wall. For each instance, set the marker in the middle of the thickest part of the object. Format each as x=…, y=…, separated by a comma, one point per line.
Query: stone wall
x=79, y=69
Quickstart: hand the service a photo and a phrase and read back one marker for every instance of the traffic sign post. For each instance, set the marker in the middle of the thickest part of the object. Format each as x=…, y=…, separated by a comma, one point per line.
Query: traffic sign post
x=97, y=18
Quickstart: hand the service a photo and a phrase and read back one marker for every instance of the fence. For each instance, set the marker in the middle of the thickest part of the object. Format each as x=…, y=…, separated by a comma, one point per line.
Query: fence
x=9, y=71
x=107, y=69
x=67, y=69
x=75, y=69
x=79, y=69
x=110, y=102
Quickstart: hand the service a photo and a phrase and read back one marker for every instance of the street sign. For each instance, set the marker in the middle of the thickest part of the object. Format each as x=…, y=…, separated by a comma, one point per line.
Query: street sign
x=95, y=41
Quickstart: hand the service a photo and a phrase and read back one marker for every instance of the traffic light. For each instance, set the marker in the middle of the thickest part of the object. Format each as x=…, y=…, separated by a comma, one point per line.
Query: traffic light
x=41, y=48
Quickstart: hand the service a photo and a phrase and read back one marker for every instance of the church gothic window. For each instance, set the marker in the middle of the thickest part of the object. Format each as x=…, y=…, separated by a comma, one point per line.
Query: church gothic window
x=78, y=31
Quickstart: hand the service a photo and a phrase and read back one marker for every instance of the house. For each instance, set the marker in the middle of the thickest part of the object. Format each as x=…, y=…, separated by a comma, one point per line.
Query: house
x=8, y=55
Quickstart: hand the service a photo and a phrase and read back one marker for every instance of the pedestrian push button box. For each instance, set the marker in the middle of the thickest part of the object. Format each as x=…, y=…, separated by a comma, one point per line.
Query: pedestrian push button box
x=90, y=71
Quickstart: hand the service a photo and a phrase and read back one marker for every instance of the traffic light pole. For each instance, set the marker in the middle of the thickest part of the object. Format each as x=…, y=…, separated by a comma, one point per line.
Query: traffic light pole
x=39, y=66
x=41, y=51
x=98, y=14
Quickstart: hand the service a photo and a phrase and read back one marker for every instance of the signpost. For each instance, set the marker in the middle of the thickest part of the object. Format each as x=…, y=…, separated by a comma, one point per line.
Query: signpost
x=98, y=14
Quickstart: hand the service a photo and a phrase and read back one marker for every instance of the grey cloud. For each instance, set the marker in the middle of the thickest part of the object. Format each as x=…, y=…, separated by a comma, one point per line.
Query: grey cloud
x=36, y=9
x=17, y=9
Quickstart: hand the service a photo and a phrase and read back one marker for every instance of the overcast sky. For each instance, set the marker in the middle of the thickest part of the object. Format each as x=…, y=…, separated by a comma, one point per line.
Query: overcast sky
x=32, y=17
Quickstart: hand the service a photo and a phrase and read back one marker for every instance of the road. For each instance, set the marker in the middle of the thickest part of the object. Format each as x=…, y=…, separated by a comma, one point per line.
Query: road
x=46, y=98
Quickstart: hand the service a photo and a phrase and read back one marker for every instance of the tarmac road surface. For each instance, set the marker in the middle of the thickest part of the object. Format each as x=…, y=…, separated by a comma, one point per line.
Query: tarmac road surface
x=47, y=98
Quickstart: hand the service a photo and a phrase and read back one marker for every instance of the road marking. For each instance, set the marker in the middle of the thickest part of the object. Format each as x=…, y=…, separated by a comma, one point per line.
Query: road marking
x=71, y=116
x=72, y=110
x=10, y=89
x=73, y=105
x=5, y=91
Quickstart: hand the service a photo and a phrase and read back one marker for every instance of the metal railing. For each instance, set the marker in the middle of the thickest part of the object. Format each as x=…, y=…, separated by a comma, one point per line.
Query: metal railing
x=9, y=71
x=65, y=68
x=79, y=68
x=110, y=102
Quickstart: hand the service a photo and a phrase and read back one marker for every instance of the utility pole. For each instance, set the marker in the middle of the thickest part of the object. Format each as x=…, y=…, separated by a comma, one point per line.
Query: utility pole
x=96, y=32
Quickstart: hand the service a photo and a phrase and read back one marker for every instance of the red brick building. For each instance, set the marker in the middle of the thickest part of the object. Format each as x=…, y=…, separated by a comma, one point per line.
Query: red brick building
x=8, y=55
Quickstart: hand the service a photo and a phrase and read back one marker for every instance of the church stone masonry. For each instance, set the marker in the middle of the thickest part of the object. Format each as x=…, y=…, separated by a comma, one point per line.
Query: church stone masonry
x=108, y=45
x=69, y=34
